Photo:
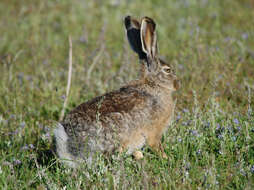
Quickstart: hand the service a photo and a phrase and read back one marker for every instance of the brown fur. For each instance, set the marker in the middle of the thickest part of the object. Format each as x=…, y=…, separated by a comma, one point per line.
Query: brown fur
x=125, y=119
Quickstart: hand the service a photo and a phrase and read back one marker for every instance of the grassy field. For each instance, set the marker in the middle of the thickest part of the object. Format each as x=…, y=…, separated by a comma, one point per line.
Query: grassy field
x=210, y=143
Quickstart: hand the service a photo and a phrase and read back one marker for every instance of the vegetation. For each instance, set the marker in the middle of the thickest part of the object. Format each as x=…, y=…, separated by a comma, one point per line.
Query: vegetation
x=210, y=143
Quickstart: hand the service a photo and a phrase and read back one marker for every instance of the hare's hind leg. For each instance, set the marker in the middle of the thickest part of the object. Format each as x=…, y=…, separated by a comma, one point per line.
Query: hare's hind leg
x=132, y=144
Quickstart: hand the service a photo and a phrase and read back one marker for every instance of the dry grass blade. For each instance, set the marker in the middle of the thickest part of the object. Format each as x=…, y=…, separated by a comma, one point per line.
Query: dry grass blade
x=69, y=79
x=100, y=52
x=95, y=61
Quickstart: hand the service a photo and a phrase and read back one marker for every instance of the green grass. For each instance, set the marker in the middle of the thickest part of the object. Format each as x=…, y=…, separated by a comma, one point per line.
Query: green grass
x=210, y=144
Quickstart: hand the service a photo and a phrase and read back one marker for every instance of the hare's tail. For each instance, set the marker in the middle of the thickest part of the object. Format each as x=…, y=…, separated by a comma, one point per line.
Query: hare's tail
x=61, y=144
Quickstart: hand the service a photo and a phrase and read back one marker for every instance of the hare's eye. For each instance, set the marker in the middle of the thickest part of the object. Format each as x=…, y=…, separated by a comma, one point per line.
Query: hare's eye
x=167, y=70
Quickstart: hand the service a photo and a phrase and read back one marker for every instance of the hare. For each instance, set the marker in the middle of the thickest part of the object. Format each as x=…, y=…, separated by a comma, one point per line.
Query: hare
x=126, y=119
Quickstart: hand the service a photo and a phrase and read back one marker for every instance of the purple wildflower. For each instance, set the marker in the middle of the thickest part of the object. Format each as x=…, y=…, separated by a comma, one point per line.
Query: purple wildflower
x=47, y=135
x=220, y=137
x=22, y=124
x=186, y=123
x=16, y=162
x=236, y=121
x=12, y=116
x=63, y=97
x=252, y=169
x=185, y=110
x=238, y=128
x=194, y=132
x=199, y=152
x=207, y=125
x=31, y=146
x=218, y=127
x=242, y=172
x=45, y=62
x=245, y=36
x=25, y=147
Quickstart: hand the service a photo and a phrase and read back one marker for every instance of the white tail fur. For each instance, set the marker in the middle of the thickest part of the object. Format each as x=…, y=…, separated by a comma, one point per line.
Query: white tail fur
x=61, y=146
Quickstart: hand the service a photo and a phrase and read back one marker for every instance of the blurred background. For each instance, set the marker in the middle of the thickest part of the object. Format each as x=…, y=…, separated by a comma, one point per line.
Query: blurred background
x=210, y=44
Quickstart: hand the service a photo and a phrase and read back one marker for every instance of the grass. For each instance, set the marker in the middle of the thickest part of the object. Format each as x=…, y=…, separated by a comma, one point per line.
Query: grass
x=210, y=143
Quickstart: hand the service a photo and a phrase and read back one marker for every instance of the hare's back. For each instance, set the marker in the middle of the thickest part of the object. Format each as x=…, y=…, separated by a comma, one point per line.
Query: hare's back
x=111, y=107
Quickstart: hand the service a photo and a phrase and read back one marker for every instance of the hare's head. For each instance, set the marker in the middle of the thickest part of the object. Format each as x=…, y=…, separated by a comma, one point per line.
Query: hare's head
x=143, y=40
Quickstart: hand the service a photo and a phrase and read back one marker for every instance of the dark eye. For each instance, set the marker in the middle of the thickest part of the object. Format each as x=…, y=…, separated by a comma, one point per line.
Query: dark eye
x=168, y=70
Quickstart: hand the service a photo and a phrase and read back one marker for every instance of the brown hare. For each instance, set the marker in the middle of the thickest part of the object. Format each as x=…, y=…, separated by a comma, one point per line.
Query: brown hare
x=126, y=119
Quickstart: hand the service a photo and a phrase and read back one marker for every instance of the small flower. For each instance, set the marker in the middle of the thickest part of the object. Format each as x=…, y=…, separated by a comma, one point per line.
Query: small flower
x=252, y=169
x=207, y=125
x=242, y=172
x=186, y=123
x=185, y=110
x=236, y=121
x=178, y=117
x=218, y=127
x=199, y=152
x=45, y=62
x=180, y=140
x=245, y=36
x=63, y=97
x=46, y=129
x=16, y=162
x=22, y=124
x=31, y=146
x=46, y=136
x=220, y=137
x=230, y=129
x=12, y=116
x=25, y=147
x=194, y=132
x=227, y=39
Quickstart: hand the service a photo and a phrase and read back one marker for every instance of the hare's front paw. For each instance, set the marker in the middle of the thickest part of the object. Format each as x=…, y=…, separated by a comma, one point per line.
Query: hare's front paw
x=164, y=155
x=138, y=155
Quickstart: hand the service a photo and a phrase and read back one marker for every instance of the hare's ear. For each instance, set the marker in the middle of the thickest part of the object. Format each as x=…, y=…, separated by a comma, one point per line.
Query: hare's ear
x=132, y=27
x=148, y=37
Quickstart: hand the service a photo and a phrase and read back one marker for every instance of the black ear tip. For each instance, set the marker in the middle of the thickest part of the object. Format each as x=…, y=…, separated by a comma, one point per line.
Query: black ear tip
x=127, y=21
x=127, y=17
x=150, y=20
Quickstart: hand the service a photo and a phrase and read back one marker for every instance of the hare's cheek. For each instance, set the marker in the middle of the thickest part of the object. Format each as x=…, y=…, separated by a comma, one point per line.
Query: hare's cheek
x=161, y=77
